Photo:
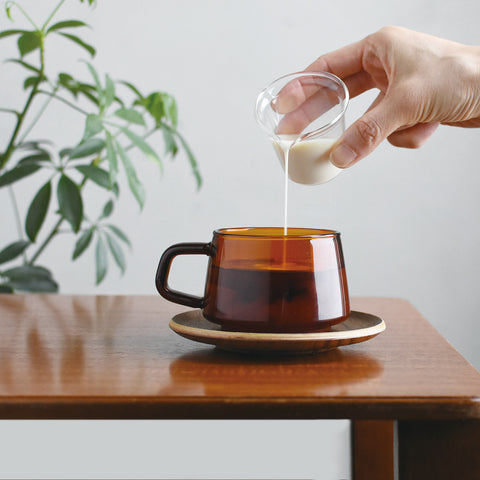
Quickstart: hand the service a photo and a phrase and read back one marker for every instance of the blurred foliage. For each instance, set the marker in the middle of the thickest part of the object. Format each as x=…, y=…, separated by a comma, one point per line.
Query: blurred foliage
x=112, y=128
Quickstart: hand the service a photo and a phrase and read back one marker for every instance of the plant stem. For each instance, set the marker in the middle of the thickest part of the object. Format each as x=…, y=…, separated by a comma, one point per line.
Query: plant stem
x=46, y=241
x=8, y=110
x=25, y=14
x=11, y=146
x=64, y=100
x=37, y=117
x=16, y=212
x=18, y=221
x=55, y=10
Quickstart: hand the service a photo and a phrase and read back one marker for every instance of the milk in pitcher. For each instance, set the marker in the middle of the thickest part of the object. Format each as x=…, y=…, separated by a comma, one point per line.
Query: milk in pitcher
x=308, y=160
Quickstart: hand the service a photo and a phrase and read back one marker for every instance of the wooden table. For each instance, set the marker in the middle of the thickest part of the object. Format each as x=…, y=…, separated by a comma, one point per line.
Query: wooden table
x=98, y=357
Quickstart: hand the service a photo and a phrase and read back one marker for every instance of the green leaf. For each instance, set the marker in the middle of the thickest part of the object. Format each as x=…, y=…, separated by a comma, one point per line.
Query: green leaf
x=93, y=125
x=101, y=260
x=107, y=209
x=96, y=174
x=79, y=42
x=87, y=91
x=135, y=186
x=132, y=88
x=170, y=107
x=191, y=159
x=109, y=91
x=7, y=33
x=91, y=146
x=32, y=81
x=28, y=42
x=140, y=143
x=24, y=64
x=41, y=156
x=154, y=105
x=161, y=106
x=27, y=271
x=37, y=211
x=67, y=81
x=83, y=242
x=170, y=143
x=34, y=159
x=70, y=202
x=33, y=145
x=98, y=85
x=66, y=24
x=44, y=285
x=112, y=158
x=65, y=152
x=13, y=250
x=5, y=289
x=130, y=115
x=120, y=234
x=75, y=88
x=8, y=9
x=116, y=252
x=17, y=173
x=30, y=278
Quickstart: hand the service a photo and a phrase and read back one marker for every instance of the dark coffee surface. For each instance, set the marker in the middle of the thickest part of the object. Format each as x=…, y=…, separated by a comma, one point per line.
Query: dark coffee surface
x=276, y=300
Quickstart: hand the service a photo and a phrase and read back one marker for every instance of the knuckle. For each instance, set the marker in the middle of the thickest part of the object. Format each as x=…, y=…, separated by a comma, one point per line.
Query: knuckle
x=369, y=131
x=385, y=37
x=389, y=32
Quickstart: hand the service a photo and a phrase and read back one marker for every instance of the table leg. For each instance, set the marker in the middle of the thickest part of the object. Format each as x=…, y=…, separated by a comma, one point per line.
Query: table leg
x=373, y=449
x=439, y=450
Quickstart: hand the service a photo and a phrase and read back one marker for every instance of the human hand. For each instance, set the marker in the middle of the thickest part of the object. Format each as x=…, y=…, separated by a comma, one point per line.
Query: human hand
x=423, y=80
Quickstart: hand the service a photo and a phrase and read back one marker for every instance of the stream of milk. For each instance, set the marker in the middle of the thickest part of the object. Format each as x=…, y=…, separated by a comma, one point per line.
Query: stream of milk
x=306, y=162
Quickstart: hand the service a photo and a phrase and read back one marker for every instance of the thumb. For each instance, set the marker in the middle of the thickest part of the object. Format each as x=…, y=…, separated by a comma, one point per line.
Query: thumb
x=363, y=136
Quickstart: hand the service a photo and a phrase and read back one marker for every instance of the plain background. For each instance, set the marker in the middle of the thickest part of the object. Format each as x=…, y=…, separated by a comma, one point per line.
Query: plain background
x=408, y=218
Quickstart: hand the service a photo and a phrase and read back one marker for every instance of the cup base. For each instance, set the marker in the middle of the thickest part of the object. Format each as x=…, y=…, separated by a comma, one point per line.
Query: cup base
x=275, y=326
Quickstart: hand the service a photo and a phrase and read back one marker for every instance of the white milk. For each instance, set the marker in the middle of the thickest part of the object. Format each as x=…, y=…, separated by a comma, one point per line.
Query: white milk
x=285, y=157
x=307, y=161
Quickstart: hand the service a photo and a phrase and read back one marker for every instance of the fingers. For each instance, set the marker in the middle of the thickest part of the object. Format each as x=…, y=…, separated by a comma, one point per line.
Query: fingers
x=413, y=137
x=305, y=89
x=293, y=94
x=343, y=62
x=363, y=136
x=358, y=83
x=294, y=122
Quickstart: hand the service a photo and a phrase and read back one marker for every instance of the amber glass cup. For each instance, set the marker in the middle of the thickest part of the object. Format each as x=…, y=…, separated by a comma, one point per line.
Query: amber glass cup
x=260, y=280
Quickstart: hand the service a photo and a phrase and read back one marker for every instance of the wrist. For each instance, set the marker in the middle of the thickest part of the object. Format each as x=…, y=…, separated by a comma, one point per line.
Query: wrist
x=466, y=69
x=474, y=55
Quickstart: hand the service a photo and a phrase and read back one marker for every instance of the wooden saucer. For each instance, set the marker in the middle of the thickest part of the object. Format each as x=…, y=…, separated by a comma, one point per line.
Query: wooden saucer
x=358, y=327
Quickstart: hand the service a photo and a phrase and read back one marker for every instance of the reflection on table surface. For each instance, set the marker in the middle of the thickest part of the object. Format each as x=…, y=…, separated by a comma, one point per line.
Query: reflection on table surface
x=55, y=345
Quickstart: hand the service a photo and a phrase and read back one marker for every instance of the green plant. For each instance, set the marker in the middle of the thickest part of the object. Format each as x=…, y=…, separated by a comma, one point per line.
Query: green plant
x=112, y=127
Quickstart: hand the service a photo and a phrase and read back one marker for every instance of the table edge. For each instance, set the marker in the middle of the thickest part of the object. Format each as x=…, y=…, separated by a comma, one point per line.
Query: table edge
x=197, y=408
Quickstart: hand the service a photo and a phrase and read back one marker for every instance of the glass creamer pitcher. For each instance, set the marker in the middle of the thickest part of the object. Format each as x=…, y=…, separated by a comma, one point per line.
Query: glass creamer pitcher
x=304, y=115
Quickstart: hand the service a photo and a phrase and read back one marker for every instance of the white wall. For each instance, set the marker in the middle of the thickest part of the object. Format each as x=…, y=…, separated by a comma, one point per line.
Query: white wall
x=409, y=219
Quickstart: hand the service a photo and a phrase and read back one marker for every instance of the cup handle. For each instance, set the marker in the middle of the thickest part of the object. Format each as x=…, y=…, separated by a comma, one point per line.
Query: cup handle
x=161, y=278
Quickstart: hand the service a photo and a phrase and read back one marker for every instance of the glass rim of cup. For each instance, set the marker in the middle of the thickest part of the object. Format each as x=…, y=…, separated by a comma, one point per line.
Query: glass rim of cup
x=241, y=232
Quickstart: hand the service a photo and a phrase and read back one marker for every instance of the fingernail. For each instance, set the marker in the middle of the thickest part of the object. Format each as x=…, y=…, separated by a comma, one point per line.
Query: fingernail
x=342, y=156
